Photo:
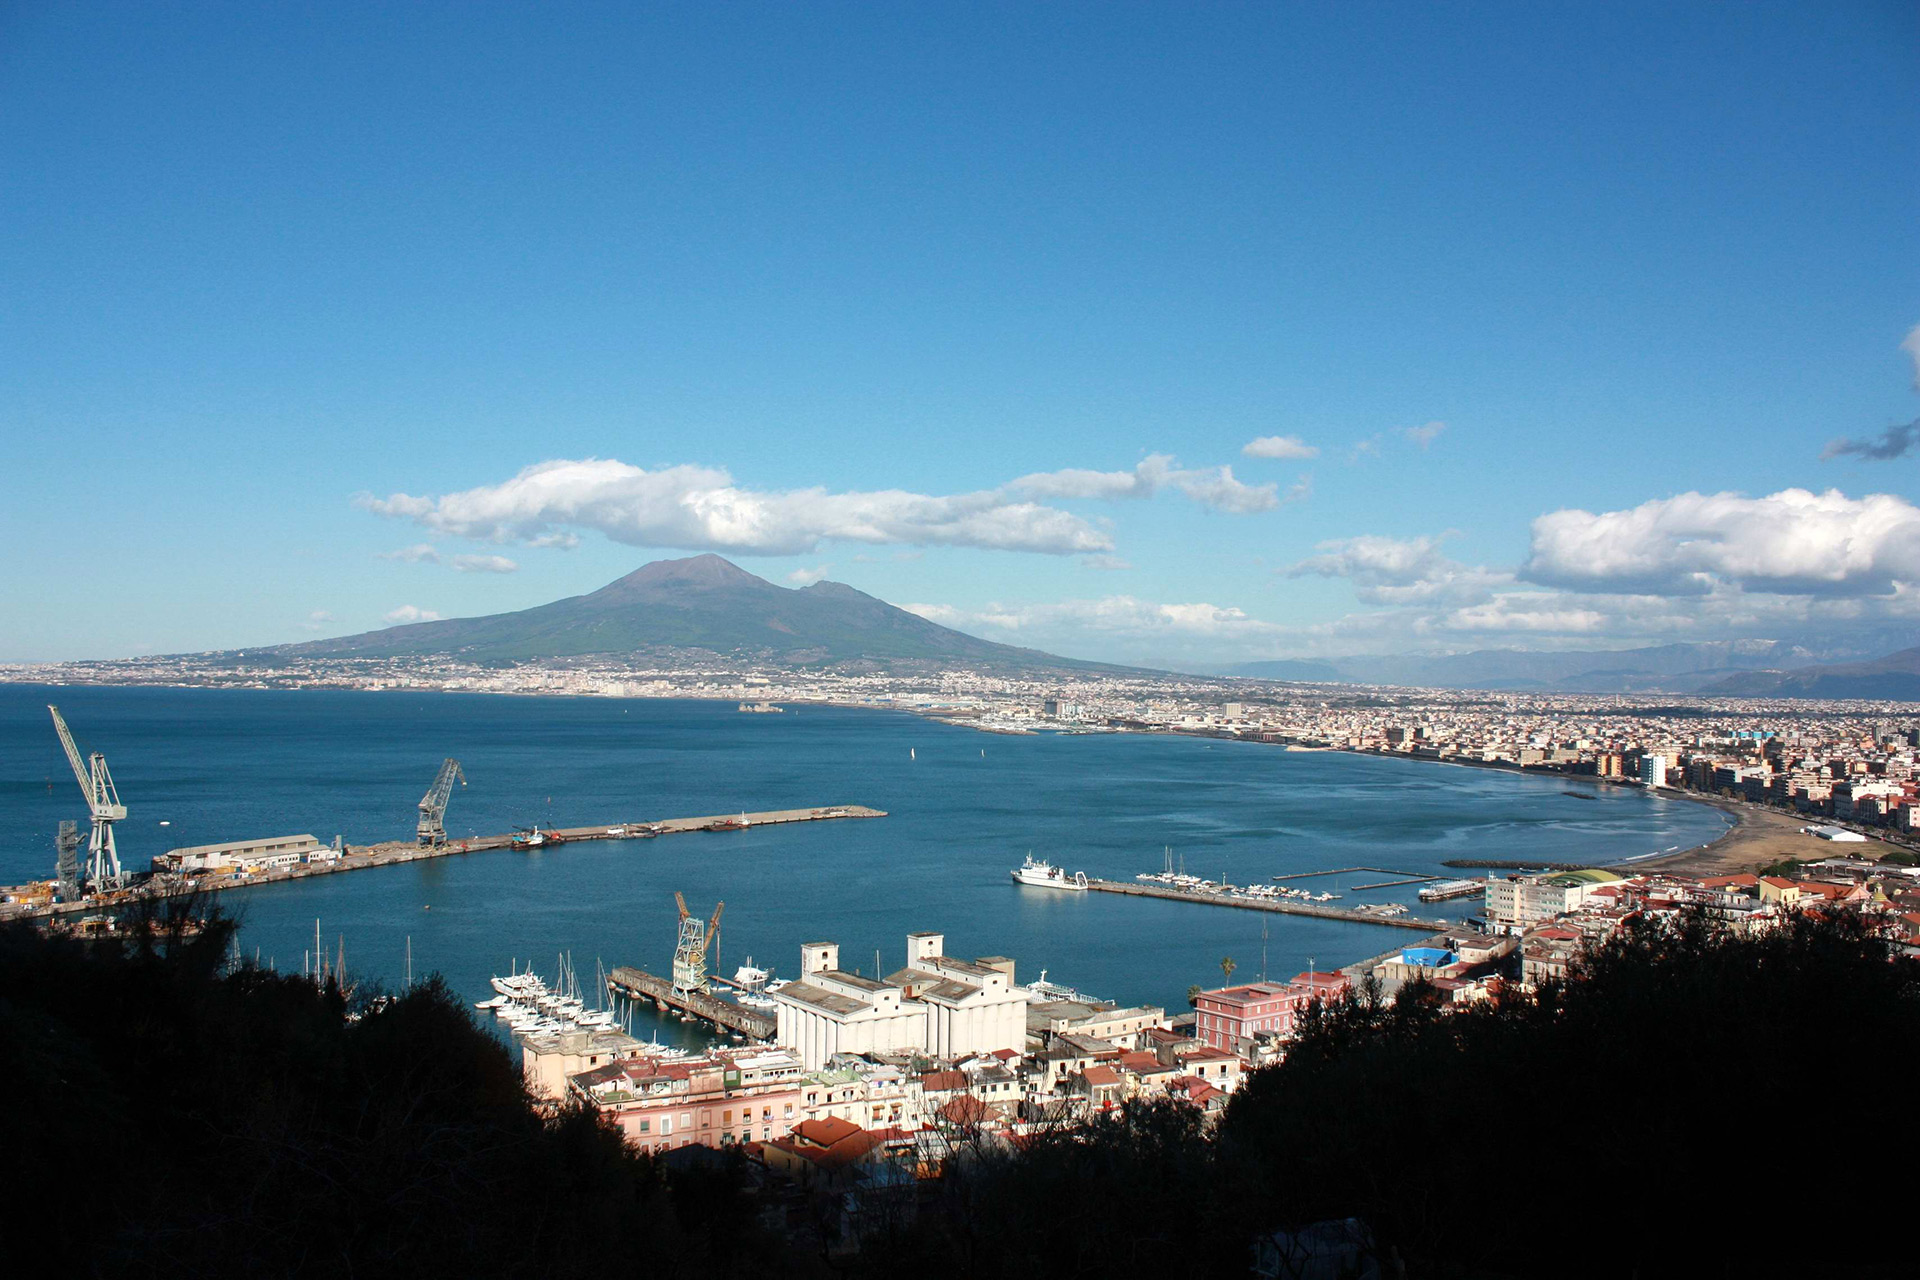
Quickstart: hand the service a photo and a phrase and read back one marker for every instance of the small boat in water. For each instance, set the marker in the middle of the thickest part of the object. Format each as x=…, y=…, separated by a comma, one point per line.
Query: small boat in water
x=1044, y=875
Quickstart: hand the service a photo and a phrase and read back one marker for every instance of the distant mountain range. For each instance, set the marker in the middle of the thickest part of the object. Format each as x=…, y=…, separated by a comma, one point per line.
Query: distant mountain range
x=703, y=604
x=1744, y=668
x=1895, y=677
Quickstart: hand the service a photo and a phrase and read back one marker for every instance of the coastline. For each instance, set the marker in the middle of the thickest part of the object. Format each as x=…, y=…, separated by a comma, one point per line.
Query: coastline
x=1759, y=837
x=1756, y=837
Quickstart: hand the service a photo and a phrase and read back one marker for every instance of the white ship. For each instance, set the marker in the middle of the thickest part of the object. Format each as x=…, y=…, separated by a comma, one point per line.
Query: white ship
x=751, y=986
x=1044, y=875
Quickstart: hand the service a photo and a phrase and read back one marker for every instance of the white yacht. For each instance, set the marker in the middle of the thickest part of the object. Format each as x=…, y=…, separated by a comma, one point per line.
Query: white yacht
x=1044, y=875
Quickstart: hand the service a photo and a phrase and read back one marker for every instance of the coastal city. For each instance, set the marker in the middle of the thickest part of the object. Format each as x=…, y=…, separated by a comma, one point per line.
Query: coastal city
x=1029, y=641
x=854, y=1081
x=1850, y=760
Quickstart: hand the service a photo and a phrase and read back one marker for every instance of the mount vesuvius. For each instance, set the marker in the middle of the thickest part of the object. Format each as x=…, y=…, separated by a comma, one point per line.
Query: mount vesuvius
x=703, y=604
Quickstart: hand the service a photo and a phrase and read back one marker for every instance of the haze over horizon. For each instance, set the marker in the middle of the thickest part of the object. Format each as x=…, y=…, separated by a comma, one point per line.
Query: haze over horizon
x=1174, y=338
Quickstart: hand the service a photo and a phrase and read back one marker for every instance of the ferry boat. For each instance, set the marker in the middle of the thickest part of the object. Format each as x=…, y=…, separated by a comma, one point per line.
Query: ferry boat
x=1044, y=875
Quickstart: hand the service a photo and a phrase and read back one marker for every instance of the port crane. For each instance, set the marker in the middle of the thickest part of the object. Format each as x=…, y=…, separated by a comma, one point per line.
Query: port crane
x=433, y=805
x=103, y=804
x=66, y=867
x=690, y=952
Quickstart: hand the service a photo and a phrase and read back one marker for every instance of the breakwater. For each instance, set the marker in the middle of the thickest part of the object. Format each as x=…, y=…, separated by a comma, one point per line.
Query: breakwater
x=1278, y=906
x=396, y=853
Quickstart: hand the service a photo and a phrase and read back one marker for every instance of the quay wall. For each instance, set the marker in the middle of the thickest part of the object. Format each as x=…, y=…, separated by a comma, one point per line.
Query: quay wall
x=1278, y=907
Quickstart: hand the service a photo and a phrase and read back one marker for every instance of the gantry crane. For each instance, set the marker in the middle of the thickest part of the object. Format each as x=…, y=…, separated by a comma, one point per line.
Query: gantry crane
x=103, y=803
x=433, y=805
x=690, y=953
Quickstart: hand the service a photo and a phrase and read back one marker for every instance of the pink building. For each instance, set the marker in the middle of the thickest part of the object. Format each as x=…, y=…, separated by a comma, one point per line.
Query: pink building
x=714, y=1101
x=1231, y=1017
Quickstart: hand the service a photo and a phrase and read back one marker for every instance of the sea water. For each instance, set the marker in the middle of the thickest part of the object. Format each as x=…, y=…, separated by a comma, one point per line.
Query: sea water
x=964, y=807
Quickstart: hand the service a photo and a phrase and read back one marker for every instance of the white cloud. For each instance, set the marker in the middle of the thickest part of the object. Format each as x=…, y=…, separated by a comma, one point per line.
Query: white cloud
x=411, y=613
x=701, y=509
x=1521, y=611
x=1425, y=434
x=418, y=553
x=484, y=564
x=1117, y=614
x=1400, y=571
x=316, y=620
x=807, y=577
x=1279, y=447
x=1213, y=487
x=561, y=541
x=1911, y=345
x=1107, y=563
x=1793, y=542
x=427, y=553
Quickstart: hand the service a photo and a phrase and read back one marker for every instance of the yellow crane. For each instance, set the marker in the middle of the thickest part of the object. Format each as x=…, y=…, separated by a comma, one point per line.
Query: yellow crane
x=690, y=951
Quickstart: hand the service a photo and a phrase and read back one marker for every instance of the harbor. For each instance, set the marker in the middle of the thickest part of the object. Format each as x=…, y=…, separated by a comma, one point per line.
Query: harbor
x=396, y=853
x=1224, y=897
x=1178, y=886
x=629, y=983
x=609, y=764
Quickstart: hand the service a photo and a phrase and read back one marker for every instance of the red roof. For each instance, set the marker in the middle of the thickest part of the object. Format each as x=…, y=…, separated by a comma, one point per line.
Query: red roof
x=1205, y=1053
x=966, y=1109
x=825, y=1133
x=1196, y=1089
x=943, y=1081
x=1102, y=1076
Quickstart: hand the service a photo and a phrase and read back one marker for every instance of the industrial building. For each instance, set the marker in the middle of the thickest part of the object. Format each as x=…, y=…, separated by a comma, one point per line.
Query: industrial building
x=243, y=855
x=937, y=1005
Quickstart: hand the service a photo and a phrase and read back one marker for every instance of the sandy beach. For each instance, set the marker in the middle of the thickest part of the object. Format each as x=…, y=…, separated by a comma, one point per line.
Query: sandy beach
x=1759, y=838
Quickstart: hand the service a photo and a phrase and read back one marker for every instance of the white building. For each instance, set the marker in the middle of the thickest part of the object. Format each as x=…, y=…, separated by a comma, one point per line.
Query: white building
x=241, y=855
x=1653, y=770
x=1514, y=902
x=941, y=1006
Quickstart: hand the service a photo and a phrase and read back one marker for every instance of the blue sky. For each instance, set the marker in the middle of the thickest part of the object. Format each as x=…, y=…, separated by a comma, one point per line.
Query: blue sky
x=1558, y=308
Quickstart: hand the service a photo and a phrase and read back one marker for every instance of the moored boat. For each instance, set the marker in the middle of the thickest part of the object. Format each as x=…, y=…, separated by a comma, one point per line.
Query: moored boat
x=1044, y=875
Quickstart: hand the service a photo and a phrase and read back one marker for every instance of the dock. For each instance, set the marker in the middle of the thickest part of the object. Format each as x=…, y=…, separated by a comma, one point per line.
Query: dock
x=1494, y=864
x=1279, y=907
x=397, y=852
x=1410, y=876
x=629, y=983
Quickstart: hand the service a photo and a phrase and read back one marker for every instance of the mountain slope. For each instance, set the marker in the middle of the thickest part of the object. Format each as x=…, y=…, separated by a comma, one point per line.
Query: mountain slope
x=1895, y=677
x=701, y=603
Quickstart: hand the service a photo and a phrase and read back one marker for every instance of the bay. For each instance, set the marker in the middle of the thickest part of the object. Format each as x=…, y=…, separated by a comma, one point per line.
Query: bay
x=964, y=808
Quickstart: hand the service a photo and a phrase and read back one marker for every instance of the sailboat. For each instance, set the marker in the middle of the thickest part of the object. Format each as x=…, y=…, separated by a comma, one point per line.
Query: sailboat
x=910, y=754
